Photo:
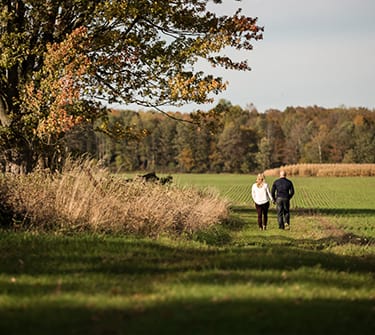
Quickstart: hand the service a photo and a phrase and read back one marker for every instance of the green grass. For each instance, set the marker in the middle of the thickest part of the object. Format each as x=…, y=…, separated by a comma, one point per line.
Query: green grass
x=329, y=193
x=317, y=278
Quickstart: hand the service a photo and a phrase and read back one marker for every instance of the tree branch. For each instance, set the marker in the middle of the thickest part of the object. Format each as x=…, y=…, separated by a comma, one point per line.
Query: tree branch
x=171, y=116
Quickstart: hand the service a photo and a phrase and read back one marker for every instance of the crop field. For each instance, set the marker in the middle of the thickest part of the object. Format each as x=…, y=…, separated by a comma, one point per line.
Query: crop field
x=348, y=202
x=316, y=278
x=311, y=192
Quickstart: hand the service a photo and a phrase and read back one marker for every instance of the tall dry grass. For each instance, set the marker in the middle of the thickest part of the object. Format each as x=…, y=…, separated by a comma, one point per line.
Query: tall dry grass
x=325, y=170
x=86, y=198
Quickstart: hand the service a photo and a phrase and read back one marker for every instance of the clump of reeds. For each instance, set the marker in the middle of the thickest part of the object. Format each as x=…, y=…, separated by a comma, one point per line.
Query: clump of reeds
x=86, y=198
x=325, y=170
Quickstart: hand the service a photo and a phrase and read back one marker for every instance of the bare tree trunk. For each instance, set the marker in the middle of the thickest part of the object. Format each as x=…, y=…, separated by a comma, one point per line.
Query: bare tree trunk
x=320, y=153
x=17, y=159
x=4, y=119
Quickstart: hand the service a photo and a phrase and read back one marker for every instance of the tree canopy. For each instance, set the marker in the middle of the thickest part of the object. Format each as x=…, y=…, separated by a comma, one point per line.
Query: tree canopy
x=62, y=61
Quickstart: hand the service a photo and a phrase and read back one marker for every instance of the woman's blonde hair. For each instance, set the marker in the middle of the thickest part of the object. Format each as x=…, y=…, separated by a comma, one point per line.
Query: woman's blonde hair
x=260, y=179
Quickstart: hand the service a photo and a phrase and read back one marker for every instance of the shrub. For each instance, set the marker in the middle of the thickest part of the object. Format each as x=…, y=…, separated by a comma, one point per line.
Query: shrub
x=86, y=198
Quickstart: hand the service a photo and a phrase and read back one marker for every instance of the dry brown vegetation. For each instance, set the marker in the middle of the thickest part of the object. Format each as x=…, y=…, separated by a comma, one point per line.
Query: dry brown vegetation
x=325, y=170
x=86, y=198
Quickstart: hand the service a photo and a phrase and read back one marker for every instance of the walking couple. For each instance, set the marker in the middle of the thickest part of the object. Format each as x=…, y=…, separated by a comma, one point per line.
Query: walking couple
x=281, y=193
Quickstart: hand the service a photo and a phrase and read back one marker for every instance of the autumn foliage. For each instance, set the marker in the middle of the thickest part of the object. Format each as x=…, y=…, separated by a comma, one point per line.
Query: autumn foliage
x=63, y=62
x=61, y=84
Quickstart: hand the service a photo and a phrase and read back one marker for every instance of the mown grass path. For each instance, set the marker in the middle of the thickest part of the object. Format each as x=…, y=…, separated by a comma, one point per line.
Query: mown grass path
x=317, y=278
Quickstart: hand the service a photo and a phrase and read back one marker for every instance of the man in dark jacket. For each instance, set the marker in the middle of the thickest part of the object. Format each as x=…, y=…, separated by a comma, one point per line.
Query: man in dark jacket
x=282, y=191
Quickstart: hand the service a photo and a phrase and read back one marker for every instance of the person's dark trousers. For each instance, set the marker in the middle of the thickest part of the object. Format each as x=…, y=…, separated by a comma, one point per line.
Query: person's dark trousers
x=262, y=211
x=283, y=215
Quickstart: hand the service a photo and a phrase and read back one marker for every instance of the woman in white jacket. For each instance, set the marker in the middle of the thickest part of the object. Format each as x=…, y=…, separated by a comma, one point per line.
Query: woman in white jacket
x=262, y=196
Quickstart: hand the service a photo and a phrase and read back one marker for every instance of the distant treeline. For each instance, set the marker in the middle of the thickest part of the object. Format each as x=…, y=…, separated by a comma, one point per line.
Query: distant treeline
x=239, y=141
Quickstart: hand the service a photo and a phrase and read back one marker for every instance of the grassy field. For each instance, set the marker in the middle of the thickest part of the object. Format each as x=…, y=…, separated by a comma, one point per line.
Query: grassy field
x=317, y=278
x=311, y=192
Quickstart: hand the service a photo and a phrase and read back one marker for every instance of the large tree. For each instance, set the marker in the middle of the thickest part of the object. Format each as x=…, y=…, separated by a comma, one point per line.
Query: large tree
x=62, y=60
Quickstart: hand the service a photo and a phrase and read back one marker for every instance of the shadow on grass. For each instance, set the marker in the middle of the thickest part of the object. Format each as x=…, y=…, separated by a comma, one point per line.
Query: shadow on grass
x=198, y=317
x=92, y=265
x=132, y=269
x=90, y=254
x=335, y=211
x=243, y=210
x=314, y=244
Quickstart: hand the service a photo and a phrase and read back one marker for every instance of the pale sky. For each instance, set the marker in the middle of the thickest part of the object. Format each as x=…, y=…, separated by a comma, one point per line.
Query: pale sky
x=314, y=52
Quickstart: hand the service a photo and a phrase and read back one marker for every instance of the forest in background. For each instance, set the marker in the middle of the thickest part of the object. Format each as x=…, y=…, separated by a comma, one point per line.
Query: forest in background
x=241, y=140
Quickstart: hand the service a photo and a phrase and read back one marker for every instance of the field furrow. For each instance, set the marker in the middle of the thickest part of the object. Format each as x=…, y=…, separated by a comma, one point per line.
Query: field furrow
x=338, y=195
